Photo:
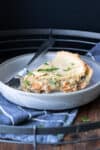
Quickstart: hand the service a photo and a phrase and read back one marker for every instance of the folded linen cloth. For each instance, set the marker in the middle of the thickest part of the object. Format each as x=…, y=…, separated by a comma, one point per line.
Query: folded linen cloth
x=15, y=115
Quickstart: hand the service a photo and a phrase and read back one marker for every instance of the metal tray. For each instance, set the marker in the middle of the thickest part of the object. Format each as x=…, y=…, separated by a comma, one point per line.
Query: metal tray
x=16, y=42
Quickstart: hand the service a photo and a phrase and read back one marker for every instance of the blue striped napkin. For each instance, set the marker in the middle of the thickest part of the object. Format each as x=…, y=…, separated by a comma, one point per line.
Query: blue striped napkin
x=13, y=114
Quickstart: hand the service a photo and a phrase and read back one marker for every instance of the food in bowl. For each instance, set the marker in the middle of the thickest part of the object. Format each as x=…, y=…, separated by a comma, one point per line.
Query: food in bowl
x=67, y=72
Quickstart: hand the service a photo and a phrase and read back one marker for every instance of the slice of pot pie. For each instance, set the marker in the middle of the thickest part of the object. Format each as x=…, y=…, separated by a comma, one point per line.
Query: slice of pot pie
x=67, y=72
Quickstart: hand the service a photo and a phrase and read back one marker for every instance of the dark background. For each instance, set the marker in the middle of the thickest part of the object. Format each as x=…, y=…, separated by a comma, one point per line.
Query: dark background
x=62, y=14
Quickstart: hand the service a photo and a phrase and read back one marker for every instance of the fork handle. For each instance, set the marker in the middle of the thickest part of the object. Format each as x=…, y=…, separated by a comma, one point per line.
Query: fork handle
x=42, y=50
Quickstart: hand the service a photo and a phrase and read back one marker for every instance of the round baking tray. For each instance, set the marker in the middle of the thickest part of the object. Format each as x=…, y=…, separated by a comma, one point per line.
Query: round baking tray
x=27, y=40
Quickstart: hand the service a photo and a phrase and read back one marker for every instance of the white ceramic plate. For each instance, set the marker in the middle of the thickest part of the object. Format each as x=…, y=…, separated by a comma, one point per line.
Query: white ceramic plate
x=51, y=101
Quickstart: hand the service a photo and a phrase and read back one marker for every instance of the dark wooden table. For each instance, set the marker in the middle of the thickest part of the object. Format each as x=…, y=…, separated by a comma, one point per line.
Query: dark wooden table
x=90, y=111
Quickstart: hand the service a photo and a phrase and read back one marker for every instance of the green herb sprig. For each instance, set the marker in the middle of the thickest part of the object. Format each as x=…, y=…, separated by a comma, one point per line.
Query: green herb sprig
x=48, y=69
x=85, y=119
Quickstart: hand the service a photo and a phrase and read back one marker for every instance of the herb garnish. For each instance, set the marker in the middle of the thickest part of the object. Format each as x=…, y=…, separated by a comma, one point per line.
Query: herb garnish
x=46, y=63
x=48, y=69
x=30, y=73
x=67, y=69
x=72, y=64
x=26, y=82
x=59, y=75
x=52, y=82
x=85, y=119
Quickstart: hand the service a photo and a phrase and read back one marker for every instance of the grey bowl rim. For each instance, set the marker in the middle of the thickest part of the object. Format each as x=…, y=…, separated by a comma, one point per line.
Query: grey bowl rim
x=55, y=93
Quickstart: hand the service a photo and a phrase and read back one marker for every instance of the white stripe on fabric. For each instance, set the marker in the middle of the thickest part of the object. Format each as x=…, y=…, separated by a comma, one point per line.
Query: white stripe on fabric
x=47, y=121
x=8, y=115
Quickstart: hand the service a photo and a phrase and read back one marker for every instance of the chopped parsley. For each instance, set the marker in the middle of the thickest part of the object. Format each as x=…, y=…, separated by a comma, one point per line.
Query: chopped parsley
x=67, y=69
x=72, y=64
x=59, y=75
x=46, y=63
x=85, y=119
x=30, y=73
x=26, y=82
x=52, y=82
x=48, y=69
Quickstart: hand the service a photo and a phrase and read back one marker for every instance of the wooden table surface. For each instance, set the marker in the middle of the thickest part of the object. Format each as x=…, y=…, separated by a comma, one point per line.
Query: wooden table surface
x=90, y=111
